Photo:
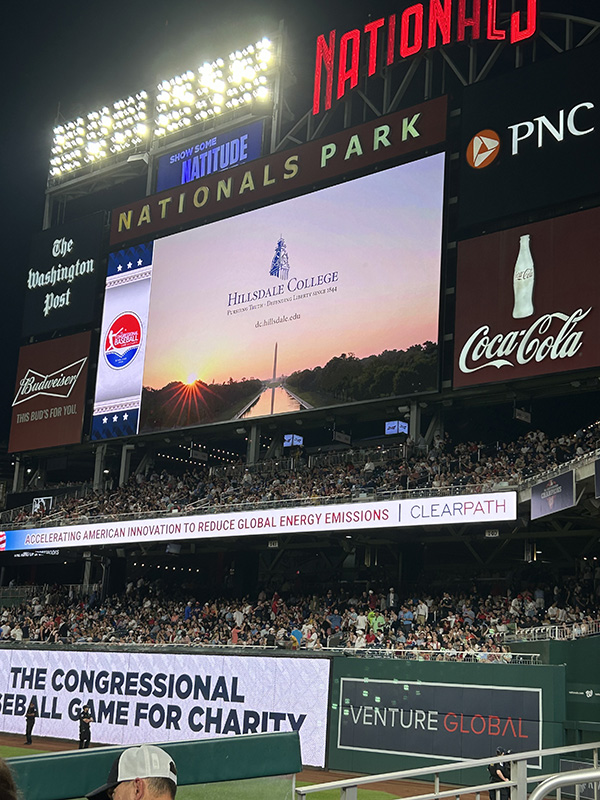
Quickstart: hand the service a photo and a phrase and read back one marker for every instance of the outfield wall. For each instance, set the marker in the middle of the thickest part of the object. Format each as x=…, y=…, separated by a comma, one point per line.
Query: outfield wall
x=582, y=681
x=355, y=714
x=390, y=715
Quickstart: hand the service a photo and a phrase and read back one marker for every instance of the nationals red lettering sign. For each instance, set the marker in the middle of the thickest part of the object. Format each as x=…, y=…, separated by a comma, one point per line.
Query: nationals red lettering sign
x=526, y=301
x=420, y=27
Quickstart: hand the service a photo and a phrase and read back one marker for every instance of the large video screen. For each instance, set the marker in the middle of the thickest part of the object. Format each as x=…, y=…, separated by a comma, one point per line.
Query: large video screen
x=159, y=697
x=320, y=300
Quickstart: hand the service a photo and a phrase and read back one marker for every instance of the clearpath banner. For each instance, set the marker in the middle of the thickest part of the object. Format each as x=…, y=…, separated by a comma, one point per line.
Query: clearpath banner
x=451, y=720
x=146, y=697
x=553, y=495
x=483, y=508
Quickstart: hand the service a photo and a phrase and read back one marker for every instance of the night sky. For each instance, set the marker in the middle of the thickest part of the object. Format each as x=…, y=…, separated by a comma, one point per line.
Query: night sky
x=78, y=56
x=74, y=57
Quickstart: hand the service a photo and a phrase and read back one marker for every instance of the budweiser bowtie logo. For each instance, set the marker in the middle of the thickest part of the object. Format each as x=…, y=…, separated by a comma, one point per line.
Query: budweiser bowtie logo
x=56, y=384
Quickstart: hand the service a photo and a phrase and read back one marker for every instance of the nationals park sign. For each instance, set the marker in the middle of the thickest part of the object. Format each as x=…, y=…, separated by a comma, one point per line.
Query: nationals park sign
x=395, y=137
x=422, y=511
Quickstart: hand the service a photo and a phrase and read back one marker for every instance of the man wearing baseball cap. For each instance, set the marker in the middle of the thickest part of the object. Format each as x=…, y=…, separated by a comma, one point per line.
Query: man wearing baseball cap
x=140, y=773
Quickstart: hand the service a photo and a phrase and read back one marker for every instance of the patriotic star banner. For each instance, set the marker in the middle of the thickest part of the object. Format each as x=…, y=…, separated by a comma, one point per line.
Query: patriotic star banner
x=422, y=511
x=138, y=698
x=123, y=343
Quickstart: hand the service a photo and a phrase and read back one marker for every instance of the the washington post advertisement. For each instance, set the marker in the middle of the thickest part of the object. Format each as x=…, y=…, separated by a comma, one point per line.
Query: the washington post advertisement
x=324, y=299
x=148, y=697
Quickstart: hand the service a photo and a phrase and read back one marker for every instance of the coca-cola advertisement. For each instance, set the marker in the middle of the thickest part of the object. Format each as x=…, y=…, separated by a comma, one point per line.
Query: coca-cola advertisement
x=526, y=301
x=552, y=495
x=49, y=401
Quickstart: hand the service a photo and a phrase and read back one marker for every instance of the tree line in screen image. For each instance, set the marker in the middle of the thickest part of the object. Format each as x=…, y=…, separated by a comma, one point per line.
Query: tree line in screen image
x=343, y=379
x=347, y=378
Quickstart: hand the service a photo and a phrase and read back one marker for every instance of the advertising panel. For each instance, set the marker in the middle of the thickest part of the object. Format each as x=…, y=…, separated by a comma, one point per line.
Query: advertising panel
x=49, y=402
x=148, y=697
x=500, y=506
x=526, y=301
x=265, y=312
x=63, y=276
x=396, y=136
x=122, y=343
x=449, y=720
x=210, y=154
x=530, y=139
x=553, y=495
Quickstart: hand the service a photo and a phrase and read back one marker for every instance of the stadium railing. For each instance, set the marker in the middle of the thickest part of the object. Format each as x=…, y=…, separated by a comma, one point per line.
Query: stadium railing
x=562, y=632
x=573, y=463
x=519, y=782
x=465, y=656
x=206, y=508
x=30, y=591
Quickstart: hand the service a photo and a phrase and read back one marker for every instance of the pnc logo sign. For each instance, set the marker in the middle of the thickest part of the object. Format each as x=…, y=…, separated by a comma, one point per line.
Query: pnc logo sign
x=483, y=149
x=533, y=133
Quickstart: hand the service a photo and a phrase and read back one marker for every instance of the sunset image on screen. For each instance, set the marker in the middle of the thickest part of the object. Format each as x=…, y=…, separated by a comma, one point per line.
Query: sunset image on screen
x=314, y=301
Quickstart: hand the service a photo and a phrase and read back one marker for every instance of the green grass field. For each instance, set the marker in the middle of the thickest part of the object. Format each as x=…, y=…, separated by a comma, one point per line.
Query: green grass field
x=11, y=752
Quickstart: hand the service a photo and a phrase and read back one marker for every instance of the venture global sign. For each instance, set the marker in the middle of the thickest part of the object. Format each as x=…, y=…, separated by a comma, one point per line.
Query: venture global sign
x=451, y=720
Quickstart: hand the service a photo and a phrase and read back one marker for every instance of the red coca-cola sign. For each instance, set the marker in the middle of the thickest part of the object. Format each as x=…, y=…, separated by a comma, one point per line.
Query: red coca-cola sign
x=526, y=301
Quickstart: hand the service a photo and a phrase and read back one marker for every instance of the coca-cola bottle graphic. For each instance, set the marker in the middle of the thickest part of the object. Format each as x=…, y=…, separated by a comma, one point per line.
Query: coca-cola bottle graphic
x=523, y=280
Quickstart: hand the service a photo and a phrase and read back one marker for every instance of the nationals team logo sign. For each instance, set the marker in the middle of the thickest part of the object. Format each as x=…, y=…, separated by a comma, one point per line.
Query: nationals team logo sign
x=123, y=340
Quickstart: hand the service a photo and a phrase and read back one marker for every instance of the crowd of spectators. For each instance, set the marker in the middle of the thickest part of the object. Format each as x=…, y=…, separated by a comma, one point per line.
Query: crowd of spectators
x=466, y=466
x=464, y=625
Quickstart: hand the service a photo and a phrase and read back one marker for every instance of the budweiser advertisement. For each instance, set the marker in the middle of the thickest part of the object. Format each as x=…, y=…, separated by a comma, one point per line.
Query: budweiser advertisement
x=530, y=139
x=526, y=301
x=49, y=401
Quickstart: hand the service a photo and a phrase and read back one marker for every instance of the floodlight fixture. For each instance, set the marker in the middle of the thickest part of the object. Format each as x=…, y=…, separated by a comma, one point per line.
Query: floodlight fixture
x=192, y=97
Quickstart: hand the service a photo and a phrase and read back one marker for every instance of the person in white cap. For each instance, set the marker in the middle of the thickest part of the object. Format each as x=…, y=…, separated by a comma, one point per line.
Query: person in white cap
x=139, y=773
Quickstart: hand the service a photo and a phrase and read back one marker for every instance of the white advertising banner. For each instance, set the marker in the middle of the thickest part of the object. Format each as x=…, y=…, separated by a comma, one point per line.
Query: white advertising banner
x=147, y=697
x=418, y=511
